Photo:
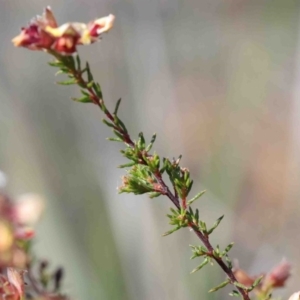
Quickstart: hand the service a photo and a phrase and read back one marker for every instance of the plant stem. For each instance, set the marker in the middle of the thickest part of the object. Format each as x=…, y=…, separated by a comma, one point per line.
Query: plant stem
x=219, y=261
x=165, y=189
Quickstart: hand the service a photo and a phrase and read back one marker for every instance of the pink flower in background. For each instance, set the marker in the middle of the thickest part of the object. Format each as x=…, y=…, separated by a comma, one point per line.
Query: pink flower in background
x=16, y=227
x=16, y=279
x=243, y=277
x=28, y=209
x=278, y=276
x=12, y=286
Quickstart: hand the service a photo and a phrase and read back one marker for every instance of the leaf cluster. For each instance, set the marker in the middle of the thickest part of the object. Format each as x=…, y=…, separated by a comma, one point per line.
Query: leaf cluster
x=139, y=180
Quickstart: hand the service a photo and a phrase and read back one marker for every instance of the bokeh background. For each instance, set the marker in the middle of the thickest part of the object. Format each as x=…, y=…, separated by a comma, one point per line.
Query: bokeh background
x=219, y=81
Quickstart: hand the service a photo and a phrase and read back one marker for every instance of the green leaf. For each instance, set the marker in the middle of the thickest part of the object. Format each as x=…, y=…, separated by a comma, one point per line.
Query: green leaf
x=59, y=72
x=223, y=284
x=89, y=74
x=108, y=123
x=153, y=161
x=198, y=251
x=149, y=147
x=228, y=248
x=78, y=63
x=70, y=61
x=114, y=139
x=118, y=122
x=85, y=93
x=67, y=82
x=178, y=159
x=83, y=70
x=118, y=134
x=234, y=293
x=84, y=99
x=205, y=262
x=256, y=282
x=154, y=194
x=229, y=262
x=122, y=125
x=196, y=197
x=56, y=64
x=189, y=185
x=97, y=89
x=141, y=142
x=131, y=164
x=117, y=106
x=216, y=224
x=202, y=226
x=241, y=286
x=171, y=231
x=195, y=216
x=216, y=251
x=90, y=84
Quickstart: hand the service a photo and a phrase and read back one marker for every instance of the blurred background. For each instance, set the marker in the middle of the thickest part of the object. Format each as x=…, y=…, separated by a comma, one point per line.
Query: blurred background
x=219, y=81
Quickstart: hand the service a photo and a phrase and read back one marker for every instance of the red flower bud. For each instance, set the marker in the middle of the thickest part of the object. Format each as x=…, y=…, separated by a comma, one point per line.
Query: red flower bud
x=277, y=276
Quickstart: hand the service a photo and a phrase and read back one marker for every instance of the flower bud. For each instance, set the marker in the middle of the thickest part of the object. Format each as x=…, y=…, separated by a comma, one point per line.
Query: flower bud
x=243, y=278
x=278, y=275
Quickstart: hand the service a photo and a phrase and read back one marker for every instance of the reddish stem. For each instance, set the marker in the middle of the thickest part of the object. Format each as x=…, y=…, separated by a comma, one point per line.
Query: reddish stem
x=164, y=188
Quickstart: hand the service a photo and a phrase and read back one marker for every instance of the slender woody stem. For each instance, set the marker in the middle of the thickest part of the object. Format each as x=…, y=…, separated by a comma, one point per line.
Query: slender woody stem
x=165, y=189
x=220, y=262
